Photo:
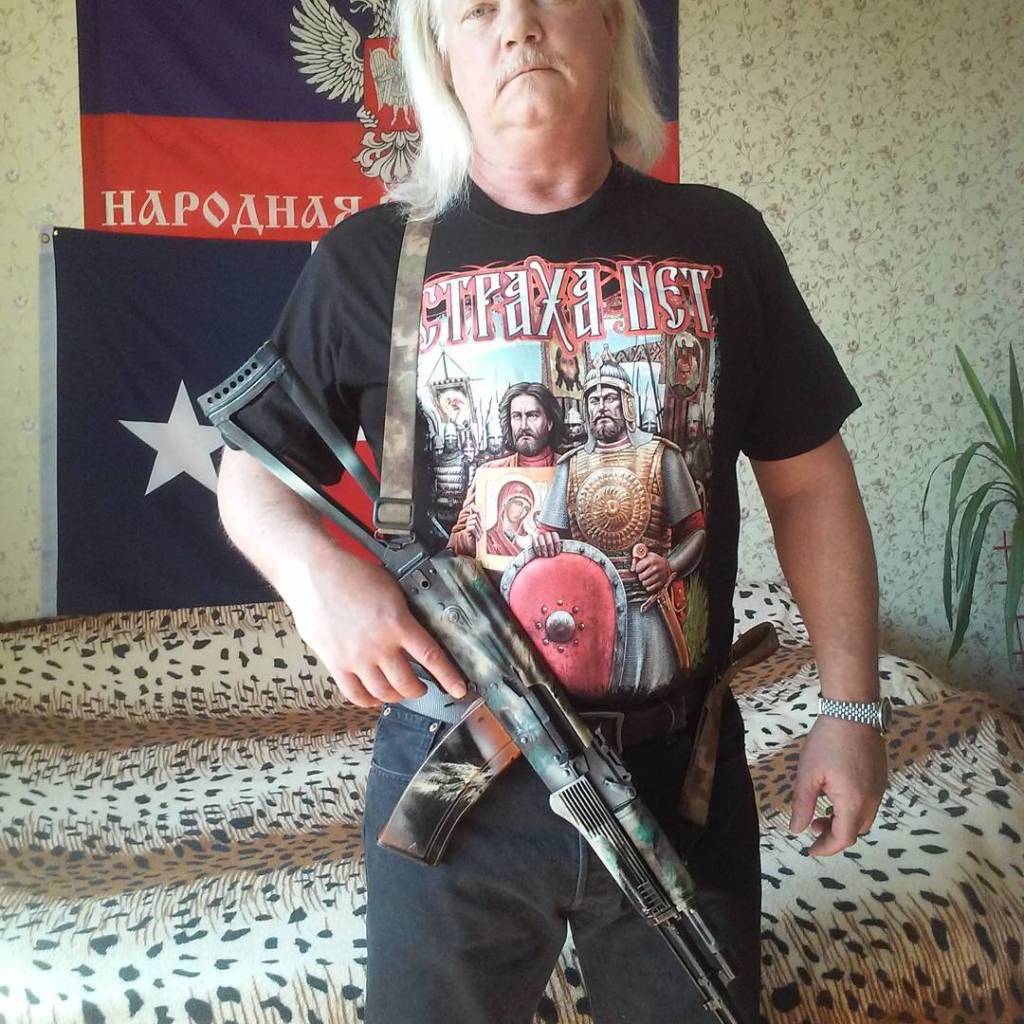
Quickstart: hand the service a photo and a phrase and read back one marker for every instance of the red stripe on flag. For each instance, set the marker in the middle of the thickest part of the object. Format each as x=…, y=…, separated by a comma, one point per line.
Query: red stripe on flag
x=216, y=178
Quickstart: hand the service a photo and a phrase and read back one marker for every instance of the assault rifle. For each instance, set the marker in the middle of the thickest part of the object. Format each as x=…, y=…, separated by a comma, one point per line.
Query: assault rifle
x=455, y=601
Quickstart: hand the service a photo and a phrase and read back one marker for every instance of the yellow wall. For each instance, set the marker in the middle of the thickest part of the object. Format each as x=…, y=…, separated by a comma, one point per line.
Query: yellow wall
x=885, y=144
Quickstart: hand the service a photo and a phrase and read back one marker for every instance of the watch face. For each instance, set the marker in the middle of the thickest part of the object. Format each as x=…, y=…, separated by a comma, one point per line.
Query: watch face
x=885, y=714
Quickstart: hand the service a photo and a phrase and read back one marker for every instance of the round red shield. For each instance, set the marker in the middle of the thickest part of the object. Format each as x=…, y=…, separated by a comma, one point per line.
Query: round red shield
x=573, y=608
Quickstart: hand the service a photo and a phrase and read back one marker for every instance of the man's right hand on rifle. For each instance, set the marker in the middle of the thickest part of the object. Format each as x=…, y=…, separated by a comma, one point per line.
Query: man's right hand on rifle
x=350, y=612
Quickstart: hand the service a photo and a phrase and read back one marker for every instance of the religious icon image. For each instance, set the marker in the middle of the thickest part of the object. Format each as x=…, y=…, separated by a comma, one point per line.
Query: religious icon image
x=566, y=370
x=510, y=501
x=686, y=368
x=527, y=432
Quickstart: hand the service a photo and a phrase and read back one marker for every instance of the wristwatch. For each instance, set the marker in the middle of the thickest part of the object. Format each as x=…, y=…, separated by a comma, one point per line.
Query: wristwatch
x=877, y=713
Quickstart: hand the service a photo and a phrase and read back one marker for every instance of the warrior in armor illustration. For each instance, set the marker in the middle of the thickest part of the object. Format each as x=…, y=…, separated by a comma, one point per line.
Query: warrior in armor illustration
x=493, y=448
x=469, y=446
x=629, y=494
x=451, y=475
x=575, y=431
x=531, y=424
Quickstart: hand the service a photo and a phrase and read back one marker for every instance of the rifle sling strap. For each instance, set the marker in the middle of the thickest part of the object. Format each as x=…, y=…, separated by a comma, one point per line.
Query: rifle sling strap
x=753, y=646
x=393, y=511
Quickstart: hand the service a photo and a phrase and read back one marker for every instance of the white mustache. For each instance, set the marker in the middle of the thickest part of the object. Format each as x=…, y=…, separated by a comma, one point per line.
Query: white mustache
x=528, y=60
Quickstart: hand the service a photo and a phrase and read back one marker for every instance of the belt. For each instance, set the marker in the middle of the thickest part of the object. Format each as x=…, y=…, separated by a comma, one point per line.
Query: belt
x=661, y=719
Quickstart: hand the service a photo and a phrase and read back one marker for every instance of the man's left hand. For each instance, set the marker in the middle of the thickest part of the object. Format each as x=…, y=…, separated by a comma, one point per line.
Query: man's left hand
x=847, y=762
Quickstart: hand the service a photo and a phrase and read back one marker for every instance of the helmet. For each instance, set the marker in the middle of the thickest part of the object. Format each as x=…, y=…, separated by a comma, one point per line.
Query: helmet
x=611, y=376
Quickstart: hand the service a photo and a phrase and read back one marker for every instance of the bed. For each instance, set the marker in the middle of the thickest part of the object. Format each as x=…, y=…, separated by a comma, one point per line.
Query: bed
x=180, y=799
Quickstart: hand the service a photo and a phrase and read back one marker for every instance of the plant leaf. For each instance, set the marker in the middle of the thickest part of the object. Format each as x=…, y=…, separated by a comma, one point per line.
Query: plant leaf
x=1004, y=428
x=963, y=462
x=965, y=536
x=1014, y=580
x=966, y=592
x=927, y=487
x=1016, y=409
x=1012, y=484
x=1015, y=478
x=991, y=417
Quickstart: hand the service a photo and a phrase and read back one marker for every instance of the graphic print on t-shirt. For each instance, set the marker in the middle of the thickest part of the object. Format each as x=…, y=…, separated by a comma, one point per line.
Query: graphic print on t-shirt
x=577, y=399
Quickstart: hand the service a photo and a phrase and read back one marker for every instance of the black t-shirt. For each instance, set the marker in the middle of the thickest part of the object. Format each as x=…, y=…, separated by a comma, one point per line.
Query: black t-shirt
x=676, y=304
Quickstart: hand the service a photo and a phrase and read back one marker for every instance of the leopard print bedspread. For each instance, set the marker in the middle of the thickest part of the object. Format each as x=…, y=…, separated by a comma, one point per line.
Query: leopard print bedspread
x=180, y=798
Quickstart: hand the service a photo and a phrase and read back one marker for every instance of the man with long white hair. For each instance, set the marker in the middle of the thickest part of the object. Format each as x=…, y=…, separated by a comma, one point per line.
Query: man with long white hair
x=537, y=123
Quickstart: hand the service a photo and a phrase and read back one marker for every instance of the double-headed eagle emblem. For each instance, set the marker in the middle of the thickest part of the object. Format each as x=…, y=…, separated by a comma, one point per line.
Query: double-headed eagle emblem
x=326, y=47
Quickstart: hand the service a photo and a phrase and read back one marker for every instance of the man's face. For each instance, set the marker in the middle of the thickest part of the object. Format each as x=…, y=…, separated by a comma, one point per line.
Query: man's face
x=530, y=425
x=522, y=63
x=604, y=408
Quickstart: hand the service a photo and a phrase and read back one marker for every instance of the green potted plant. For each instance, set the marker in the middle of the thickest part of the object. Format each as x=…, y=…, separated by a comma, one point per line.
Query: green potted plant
x=969, y=516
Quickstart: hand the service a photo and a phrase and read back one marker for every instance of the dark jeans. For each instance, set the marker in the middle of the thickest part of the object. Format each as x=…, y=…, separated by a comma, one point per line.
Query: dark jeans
x=474, y=939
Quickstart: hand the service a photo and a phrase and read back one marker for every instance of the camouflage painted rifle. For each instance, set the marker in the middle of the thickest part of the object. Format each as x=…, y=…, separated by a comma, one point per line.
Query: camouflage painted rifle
x=455, y=601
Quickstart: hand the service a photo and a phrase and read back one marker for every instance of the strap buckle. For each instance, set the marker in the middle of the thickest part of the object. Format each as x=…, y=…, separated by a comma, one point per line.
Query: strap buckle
x=393, y=519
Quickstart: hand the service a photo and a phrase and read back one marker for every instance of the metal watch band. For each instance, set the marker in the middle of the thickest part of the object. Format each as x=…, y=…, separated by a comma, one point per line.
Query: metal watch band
x=867, y=712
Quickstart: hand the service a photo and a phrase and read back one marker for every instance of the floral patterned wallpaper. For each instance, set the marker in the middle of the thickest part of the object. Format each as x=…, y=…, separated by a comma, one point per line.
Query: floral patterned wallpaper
x=40, y=184
x=884, y=143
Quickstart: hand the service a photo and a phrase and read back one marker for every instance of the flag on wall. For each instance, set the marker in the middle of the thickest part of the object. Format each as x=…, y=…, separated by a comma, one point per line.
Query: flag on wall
x=135, y=328
x=229, y=125
x=265, y=120
x=141, y=327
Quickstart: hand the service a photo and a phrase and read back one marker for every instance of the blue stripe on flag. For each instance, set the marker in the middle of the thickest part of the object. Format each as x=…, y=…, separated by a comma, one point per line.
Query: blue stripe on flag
x=195, y=58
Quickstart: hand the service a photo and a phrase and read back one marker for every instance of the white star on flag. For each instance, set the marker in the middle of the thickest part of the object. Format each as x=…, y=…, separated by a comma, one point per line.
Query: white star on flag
x=182, y=444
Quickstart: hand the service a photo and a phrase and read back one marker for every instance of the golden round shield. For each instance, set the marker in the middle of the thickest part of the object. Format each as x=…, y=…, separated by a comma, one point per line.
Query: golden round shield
x=612, y=508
